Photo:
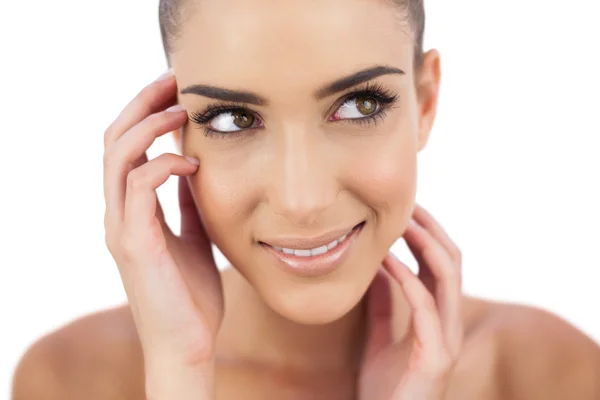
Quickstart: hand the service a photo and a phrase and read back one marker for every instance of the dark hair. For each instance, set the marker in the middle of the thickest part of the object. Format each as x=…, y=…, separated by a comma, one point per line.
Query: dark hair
x=172, y=15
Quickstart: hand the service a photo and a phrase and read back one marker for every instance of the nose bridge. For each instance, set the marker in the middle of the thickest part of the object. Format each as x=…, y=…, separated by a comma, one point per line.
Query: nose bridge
x=303, y=186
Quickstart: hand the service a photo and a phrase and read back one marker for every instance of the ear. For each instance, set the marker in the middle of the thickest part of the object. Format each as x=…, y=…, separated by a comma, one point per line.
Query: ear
x=428, y=87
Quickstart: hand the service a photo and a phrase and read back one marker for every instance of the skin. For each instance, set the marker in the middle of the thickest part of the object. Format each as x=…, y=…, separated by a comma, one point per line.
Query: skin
x=328, y=337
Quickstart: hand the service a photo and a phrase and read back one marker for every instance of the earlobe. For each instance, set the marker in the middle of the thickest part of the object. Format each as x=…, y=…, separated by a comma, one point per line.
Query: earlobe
x=428, y=93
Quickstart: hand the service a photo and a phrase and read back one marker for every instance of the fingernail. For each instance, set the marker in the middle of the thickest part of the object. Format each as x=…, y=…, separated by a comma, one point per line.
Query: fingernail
x=193, y=160
x=165, y=75
x=175, y=108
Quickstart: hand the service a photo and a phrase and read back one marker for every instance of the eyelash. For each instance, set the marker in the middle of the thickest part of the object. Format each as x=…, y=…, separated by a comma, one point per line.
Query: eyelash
x=384, y=97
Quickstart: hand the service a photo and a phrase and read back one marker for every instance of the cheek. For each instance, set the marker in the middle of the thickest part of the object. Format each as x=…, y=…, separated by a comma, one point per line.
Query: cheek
x=221, y=187
x=223, y=197
x=384, y=177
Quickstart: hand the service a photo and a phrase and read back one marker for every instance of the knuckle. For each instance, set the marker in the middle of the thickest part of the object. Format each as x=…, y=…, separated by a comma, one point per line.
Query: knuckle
x=113, y=246
x=106, y=222
x=444, y=366
x=436, y=367
x=108, y=234
x=137, y=179
x=128, y=246
x=110, y=243
x=111, y=240
x=108, y=133
x=428, y=368
x=109, y=155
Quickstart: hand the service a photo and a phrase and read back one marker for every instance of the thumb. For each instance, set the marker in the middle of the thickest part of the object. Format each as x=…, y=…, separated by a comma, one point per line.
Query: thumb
x=379, y=315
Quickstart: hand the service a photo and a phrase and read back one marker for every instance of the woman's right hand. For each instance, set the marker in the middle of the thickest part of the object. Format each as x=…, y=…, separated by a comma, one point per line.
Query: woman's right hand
x=172, y=283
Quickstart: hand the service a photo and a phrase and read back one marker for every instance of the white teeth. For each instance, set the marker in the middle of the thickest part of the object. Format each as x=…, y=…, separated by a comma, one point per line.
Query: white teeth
x=312, y=252
x=302, y=253
x=318, y=251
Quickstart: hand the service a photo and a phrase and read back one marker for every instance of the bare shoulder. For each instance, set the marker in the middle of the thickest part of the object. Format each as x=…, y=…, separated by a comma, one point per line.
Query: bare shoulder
x=536, y=354
x=95, y=357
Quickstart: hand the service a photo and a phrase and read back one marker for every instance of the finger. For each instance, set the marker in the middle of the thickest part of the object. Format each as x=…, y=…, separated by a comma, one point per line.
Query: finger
x=434, y=261
x=192, y=227
x=140, y=221
x=426, y=220
x=379, y=315
x=154, y=280
x=425, y=318
x=128, y=152
x=156, y=96
x=159, y=211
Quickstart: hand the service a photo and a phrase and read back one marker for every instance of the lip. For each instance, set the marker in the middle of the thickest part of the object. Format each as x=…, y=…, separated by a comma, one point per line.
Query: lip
x=318, y=265
x=308, y=243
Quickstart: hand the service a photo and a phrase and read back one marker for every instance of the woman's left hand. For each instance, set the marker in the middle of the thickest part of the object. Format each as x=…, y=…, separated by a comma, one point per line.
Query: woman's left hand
x=419, y=366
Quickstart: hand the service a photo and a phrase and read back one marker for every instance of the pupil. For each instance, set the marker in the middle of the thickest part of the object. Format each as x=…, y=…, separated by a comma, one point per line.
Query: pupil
x=366, y=105
x=242, y=120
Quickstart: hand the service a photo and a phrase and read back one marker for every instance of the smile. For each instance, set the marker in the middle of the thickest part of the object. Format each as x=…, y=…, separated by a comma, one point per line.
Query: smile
x=316, y=251
x=313, y=257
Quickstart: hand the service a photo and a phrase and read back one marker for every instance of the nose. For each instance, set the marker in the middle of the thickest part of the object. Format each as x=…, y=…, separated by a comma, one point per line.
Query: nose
x=303, y=184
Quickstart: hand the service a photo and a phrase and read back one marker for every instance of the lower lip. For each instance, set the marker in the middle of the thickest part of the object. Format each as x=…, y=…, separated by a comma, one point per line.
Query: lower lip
x=320, y=265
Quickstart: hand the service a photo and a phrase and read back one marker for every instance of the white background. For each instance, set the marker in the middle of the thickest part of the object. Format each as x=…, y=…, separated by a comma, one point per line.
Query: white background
x=511, y=170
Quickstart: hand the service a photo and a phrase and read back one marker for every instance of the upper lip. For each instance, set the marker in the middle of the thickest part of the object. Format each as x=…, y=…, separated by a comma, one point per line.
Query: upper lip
x=303, y=243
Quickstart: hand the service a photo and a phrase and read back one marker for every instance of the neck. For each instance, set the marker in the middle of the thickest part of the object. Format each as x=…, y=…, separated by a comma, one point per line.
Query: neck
x=254, y=333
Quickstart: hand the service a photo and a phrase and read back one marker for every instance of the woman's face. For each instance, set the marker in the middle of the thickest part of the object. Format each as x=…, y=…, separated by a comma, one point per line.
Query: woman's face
x=305, y=156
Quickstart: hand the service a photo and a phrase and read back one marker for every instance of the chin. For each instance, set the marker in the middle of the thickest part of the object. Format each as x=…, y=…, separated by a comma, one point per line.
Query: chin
x=320, y=301
x=311, y=310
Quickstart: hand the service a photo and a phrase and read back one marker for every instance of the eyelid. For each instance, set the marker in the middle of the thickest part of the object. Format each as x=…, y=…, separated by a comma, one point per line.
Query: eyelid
x=203, y=119
x=384, y=97
x=214, y=109
x=378, y=91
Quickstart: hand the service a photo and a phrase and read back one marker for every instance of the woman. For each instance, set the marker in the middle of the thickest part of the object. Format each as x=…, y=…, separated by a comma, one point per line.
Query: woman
x=300, y=123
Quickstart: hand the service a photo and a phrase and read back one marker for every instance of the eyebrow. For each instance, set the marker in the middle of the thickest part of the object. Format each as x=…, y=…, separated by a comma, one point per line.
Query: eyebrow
x=241, y=96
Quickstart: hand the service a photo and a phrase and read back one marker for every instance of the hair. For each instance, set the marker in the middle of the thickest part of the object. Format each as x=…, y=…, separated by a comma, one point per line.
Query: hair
x=172, y=15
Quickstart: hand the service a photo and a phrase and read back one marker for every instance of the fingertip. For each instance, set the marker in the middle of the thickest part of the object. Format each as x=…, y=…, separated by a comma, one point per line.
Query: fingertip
x=388, y=261
x=389, y=257
x=193, y=160
x=392, y=260
x=399, y=270
x=166, y=75
x=413, y=226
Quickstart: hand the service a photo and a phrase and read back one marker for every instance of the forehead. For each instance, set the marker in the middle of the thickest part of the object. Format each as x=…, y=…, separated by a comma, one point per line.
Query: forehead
x=288, y=42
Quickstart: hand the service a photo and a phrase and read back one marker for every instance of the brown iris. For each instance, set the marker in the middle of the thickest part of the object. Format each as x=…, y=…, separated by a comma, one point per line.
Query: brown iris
x=366, y=105
x=242, y=119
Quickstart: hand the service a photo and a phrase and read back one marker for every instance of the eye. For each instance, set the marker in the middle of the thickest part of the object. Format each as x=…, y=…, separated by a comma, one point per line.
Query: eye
x=357, y=107
x=232, y=121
